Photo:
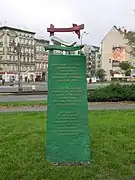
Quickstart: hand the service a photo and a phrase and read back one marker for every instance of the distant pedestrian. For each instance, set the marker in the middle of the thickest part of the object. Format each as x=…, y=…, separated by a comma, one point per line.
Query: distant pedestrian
x=33, y=87
x=3, y=81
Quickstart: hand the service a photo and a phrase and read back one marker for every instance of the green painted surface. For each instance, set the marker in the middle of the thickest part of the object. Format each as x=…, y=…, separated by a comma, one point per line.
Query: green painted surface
x=62, y=48
x=68, y=136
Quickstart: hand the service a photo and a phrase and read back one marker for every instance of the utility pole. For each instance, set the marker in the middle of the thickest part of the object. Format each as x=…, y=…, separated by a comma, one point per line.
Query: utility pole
x=18, y=51
x=19, y=67
x=84, y=33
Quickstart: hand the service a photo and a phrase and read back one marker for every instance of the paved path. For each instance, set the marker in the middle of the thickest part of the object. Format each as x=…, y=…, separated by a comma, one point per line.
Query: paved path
x=92, y=106
x=14, y=98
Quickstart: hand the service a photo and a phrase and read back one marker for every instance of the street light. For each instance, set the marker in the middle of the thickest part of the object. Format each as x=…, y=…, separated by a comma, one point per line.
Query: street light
x=84, y=33
x=17, y=49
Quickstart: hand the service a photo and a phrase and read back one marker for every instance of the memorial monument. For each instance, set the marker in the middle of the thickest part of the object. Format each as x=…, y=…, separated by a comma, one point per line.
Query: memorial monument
x=67, y=132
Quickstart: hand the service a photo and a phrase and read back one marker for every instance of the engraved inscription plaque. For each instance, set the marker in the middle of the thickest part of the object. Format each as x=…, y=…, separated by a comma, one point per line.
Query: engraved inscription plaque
x=67, y=133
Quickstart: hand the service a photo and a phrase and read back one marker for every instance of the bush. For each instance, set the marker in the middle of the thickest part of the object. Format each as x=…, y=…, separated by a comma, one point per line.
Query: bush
x=113, y=93
x=118, y=79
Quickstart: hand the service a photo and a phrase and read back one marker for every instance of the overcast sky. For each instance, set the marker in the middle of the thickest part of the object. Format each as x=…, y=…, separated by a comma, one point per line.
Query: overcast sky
x=98, y=16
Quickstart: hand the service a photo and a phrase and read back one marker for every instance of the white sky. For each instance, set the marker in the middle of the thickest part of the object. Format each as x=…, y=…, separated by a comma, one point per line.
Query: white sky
x=98, y=16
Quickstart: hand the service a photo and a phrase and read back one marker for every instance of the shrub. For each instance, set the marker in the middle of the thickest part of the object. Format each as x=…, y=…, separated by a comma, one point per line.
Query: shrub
x=113, y=93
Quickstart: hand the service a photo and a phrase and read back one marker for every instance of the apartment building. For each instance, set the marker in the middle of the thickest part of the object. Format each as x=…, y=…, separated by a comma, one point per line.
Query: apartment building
x=41, y=61
x=114, y=49
x=9, y=58
x=93, y=58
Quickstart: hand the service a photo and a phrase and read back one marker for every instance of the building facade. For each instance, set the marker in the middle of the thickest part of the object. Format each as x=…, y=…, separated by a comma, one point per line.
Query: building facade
x=93, y=59
x=41, y=62
x=114, y=49
x=9, y=58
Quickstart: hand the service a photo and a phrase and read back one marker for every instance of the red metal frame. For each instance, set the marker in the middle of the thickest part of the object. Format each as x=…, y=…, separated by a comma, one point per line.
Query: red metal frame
x=75, y=28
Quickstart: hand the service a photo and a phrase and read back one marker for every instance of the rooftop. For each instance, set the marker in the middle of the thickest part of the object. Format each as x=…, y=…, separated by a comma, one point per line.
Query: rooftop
x=42, y=40
x=16, y=29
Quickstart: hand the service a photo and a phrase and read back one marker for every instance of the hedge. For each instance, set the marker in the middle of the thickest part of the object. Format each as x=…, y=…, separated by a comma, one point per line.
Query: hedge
x=113, y=93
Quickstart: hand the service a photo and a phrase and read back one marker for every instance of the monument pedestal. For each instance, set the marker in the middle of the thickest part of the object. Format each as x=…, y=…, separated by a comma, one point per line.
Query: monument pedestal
x=67, y=133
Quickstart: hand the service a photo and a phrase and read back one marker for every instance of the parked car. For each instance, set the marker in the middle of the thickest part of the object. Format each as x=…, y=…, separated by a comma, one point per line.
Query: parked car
x=12, y=83
x=0, y=81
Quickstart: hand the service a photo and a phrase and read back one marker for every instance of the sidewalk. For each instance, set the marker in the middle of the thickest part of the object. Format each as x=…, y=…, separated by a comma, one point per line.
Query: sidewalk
x=91, y=106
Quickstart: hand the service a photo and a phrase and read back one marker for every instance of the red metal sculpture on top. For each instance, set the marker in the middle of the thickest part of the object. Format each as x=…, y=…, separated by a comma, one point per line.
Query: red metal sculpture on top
x=76, y=28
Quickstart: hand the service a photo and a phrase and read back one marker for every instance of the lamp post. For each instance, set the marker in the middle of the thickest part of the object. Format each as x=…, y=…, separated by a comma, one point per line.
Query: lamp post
x=84, y=33
x=17, y=49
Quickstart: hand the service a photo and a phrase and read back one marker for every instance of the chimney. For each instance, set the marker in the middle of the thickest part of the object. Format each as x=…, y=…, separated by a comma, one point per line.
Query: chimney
x=119, y=29
x=125, y=31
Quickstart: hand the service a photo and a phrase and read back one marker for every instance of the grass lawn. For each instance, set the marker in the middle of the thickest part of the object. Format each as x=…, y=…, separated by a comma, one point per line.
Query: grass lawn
x=23, y=103
x=22, y=151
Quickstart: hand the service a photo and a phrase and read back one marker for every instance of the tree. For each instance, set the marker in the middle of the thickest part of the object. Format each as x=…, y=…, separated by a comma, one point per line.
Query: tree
x=126, y=67
x=130, y=36
x=101, y=74
x=128, y=72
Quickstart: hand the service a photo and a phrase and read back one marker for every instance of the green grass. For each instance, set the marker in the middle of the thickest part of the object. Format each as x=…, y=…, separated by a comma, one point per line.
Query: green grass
x=22, y=151
x=23, y=103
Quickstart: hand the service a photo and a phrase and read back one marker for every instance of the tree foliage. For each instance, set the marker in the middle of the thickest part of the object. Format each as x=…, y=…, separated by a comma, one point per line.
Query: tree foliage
x=101, y=74
x=125, y=66
x=130, y=36
x=128, y=72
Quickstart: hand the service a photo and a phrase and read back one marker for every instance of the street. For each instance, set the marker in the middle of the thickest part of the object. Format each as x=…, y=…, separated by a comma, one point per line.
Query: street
x=42, y=86
x=13, y=98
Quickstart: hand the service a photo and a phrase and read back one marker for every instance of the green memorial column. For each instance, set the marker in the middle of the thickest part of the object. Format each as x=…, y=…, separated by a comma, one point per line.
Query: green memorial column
x=67, y=133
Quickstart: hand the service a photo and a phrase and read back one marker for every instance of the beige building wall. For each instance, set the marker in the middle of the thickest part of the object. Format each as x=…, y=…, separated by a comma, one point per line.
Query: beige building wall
x=113, y=38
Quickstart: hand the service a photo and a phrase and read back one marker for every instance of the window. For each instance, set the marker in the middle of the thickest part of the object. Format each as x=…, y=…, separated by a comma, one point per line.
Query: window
x=15, y=68
x=20, y=41
x=10, y=58
x=11, y=67
x=29, y=59
x=14, y=58
x=37, y=65
x=32, y=51
x=21, y=58
x=110, y=61
x=29, y=51
x=40, y=65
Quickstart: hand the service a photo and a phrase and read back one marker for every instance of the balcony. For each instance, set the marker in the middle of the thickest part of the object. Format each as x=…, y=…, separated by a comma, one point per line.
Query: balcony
x=115, y=63
x=42, y=69
x=32, y=63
